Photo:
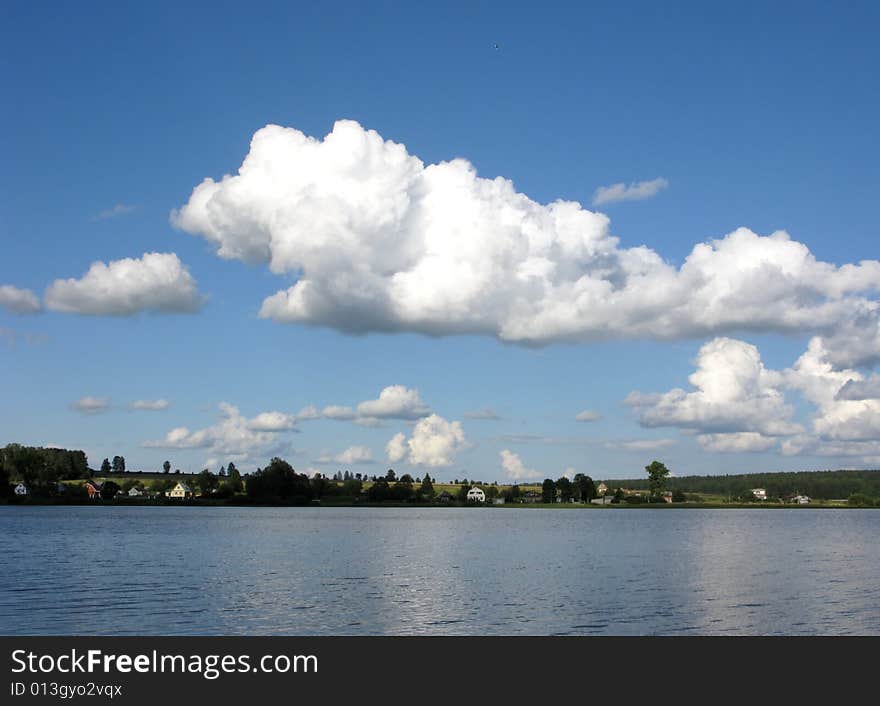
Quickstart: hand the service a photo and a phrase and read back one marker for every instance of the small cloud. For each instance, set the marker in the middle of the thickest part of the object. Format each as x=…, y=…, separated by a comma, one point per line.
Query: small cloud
x=588, y=415
x=90, y=405
x=18, y=301
x=636, y=191
x=119, y=209
x=640, y=444
x=485, y=413
x=514, y=468
x=354, y=454
x=150, y=405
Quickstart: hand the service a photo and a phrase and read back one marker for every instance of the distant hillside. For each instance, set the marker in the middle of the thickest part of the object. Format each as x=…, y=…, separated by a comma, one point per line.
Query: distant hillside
x=824, y=485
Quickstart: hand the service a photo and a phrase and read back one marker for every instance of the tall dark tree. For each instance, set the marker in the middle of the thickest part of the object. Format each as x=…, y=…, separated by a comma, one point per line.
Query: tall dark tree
x=657, y=474
x=165, y=466
x=426, y=490
x=105, y=467
x=119, y=464
x=548, y=491
x=565, y=488
x=585, y=488
x=390, y=476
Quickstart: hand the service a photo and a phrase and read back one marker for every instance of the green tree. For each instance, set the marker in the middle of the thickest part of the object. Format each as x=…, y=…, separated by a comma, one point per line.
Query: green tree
x=278, y=481
x=119, y=464
x=426, y=490
x=390, y=476
x=166, y=467
x=585, y=488
x=207, y=482
x=105, y=467
x=548, y=491
x=657, y=474
x=565, y=488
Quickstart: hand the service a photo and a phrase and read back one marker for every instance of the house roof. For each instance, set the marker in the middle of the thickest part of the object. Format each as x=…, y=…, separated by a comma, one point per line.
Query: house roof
x=184, y=486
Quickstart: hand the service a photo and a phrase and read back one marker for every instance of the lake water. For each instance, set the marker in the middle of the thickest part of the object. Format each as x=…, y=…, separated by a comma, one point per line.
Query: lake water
x=370, y=571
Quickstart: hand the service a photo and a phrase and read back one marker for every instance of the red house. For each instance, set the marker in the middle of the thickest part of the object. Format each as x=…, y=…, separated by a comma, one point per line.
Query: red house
x=94, y=489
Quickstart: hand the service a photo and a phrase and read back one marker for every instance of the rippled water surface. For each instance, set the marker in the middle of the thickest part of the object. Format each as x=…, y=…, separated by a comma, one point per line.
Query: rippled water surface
x=346, y=571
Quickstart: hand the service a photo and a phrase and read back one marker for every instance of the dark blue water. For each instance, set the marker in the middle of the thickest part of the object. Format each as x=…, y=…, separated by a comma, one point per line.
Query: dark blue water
x=261, y=571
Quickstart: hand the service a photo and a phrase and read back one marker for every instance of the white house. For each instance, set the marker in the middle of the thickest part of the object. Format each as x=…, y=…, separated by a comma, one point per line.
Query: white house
x=181, y=490
x=759, y=493
x=476, y=495
x=601, y=489
x=133, y=492
x=21, y=489
x=801, y=499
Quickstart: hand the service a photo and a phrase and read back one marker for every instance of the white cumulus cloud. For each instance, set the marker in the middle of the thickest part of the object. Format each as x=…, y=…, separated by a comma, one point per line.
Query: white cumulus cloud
x=233, y=436
x=156, y=282
x=272, y=421
x=18, y=301
x=355, y=454
x=434, y=442
x=637, y=191
x=514, y=468
x=395, y=402
x=588, y=415
x=733, y=393
x=380, y=241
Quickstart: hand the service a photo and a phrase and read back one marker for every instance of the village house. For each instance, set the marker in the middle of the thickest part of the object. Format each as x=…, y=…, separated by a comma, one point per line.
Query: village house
x=135, y=492
x=801, y=499
x=759, y=493
x=601, y=489
x=93, y=488
x=476, y=495
x=21, y=489
x=181, y=490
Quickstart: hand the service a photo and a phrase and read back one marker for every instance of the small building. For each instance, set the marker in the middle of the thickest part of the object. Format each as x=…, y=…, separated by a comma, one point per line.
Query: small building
x=181, y=490
x=135, y=492
x=21, y=490
x=476, y=495
x=601, y=489
x=603, y=500
x=93, y=488
x=759, y=493
x=667, y=496
x=801, y=499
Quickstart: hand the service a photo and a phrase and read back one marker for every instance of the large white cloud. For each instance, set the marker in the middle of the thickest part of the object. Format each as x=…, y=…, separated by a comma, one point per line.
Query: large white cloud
x=434, y=442
x=733, y=393
x=739, y=405
x=156, y=282
x=380, y=241
x=18, y=301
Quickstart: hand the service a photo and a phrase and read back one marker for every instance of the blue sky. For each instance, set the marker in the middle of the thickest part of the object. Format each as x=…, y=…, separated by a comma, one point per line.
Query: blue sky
x=755, y=116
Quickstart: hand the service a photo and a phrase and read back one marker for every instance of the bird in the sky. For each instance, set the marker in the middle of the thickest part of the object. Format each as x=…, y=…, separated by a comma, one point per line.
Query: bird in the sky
x=497, y=47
